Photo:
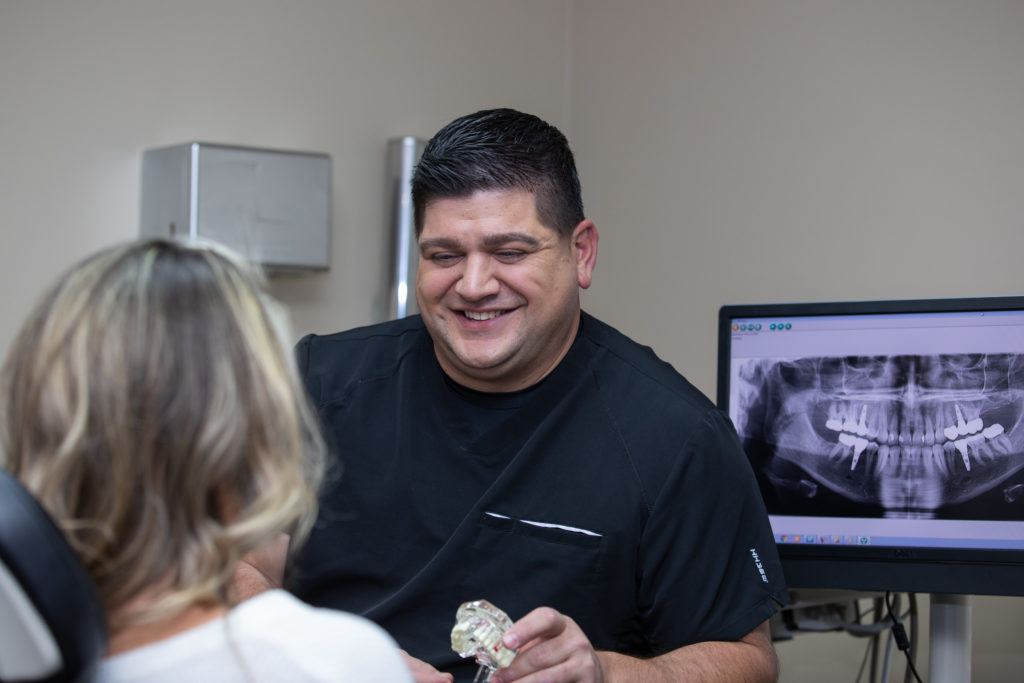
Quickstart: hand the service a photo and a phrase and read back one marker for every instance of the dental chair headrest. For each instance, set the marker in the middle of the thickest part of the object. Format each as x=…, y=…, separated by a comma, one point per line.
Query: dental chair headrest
x=52, y=626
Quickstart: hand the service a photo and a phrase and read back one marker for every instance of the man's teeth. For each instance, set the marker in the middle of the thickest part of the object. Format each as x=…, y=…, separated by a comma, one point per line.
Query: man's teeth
x=473, y=315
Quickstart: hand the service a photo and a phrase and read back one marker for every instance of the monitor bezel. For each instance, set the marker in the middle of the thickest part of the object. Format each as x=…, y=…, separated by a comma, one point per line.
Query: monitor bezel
x=883, y=568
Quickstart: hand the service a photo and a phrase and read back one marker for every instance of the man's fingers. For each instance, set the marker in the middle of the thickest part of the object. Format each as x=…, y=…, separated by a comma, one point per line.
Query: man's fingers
x=542, y=623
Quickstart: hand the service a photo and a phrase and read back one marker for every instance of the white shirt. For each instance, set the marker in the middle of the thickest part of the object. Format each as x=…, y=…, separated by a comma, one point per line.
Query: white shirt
x=269, y=638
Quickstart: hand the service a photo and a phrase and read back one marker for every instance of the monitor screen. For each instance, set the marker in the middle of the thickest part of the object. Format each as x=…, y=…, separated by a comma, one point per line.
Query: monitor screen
x=887, y=439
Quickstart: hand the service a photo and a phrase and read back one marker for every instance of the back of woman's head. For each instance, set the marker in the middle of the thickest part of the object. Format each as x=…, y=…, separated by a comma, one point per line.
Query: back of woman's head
x=150, y=402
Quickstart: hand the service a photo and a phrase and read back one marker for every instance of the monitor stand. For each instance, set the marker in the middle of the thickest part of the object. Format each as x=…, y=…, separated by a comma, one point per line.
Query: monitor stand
x=949, y=638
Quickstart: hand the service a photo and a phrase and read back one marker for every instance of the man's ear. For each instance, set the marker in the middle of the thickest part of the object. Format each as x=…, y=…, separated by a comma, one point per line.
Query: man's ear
x=584, y=250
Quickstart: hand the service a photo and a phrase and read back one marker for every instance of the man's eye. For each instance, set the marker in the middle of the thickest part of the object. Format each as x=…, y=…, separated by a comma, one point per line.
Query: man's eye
x=443, y=258
x=510, y=254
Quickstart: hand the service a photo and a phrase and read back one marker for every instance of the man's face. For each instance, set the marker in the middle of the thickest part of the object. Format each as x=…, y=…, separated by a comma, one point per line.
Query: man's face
x=499, y=291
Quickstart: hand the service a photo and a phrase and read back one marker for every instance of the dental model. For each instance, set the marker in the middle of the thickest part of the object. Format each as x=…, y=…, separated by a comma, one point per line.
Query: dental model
x=479, y=628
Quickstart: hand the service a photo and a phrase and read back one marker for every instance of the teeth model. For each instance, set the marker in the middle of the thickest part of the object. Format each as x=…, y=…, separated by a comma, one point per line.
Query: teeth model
x=479, y=628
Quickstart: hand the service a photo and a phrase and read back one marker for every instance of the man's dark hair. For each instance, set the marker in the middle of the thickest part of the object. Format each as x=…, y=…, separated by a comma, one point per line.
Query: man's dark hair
x=501, y=149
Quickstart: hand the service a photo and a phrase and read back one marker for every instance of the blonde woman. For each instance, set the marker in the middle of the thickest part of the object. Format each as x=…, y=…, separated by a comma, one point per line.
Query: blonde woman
x=151, y=405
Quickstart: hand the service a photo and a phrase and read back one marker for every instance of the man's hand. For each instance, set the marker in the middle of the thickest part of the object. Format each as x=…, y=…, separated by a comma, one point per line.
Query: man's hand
x=551, y=642
x=423, y=672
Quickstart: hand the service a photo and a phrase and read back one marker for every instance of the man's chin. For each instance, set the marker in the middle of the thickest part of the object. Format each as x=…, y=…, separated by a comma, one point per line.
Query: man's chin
x=474, y=369
x=487, y=368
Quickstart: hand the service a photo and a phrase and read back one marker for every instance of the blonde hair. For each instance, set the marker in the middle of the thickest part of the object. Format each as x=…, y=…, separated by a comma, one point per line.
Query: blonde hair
x=151, y=403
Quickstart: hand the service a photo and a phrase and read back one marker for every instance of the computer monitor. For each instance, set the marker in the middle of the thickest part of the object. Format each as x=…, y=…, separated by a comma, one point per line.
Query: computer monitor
x=887, y=438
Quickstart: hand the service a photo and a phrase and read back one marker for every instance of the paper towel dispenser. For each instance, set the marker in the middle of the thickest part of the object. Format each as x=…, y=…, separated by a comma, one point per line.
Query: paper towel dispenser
x=272, y=206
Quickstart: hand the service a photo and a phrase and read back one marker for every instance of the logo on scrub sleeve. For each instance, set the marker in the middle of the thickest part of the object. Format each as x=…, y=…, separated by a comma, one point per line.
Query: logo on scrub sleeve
x=757, y=563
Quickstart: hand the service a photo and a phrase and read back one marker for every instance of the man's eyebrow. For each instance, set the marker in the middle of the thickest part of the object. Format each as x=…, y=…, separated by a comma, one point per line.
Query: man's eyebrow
x=490, y=241
x=438, y=243
x=507, y=237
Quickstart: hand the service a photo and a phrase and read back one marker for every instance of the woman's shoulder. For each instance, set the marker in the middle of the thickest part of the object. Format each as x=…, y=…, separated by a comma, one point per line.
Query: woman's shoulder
x=323, y=644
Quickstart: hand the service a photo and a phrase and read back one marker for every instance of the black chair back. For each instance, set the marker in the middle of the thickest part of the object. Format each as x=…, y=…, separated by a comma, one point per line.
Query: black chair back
x=52, y=626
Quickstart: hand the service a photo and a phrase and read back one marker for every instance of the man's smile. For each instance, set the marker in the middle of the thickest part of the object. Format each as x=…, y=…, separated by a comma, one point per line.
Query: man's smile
x=484, y=315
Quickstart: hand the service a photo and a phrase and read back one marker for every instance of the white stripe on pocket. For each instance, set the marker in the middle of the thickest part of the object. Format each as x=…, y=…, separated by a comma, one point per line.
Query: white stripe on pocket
x=547, y=525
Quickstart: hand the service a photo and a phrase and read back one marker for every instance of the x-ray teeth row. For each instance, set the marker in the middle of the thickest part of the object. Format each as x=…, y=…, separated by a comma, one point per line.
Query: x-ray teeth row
x=907, y=433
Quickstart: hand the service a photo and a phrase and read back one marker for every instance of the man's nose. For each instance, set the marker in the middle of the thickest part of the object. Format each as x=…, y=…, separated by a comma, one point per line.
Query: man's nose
x=478, y=278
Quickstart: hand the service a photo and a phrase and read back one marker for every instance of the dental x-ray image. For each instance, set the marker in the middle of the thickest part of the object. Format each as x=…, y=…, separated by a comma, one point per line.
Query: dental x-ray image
x=886, y=436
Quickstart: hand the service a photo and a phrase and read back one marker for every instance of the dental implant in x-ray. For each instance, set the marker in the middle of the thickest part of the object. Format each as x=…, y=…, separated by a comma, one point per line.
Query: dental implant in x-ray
x=907, y=433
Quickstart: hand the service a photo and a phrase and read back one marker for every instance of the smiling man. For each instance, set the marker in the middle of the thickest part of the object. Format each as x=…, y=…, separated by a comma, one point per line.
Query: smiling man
x=504, y=445
x=499, y=291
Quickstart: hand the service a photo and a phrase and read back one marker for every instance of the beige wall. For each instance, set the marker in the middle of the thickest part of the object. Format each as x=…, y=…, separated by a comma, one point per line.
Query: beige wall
x=85, y=87
x=730, y=151
x=738, y=151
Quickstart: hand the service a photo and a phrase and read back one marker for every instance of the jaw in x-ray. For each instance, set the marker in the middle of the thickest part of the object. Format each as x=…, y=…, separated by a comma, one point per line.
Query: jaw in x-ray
x=906, y=435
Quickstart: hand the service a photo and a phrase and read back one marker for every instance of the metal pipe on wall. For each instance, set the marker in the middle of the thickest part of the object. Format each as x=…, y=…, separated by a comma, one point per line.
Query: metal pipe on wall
x=403, y=153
